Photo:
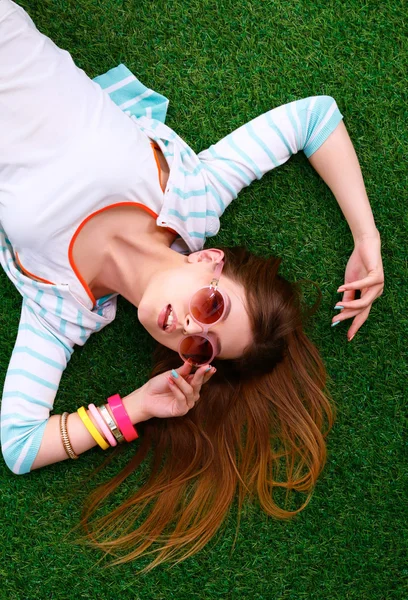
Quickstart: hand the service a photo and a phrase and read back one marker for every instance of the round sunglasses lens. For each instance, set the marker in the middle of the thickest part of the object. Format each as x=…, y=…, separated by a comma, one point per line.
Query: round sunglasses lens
x=196, y=349
x=207, y=306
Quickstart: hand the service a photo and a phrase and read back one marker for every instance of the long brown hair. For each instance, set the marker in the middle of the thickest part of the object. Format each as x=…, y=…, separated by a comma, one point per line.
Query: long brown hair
x=259, y=426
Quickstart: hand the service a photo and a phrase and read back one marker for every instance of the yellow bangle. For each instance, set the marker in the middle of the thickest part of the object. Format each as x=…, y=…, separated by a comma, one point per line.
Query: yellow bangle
x=92, y=429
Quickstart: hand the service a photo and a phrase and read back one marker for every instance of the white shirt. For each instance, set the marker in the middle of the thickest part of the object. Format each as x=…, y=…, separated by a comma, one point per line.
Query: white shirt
x=66, y=151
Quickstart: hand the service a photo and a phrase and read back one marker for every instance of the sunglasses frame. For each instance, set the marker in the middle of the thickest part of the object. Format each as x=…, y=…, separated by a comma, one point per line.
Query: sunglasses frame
x=206, y=334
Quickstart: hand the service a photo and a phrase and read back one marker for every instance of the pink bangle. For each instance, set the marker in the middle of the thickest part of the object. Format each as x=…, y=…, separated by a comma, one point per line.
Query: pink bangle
x=122, y=418
x=102, y=425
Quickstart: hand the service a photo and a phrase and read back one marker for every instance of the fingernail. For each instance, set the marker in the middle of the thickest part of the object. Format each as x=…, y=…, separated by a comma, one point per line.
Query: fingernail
x=338, y=307
x=351, y=338
x=341, y=289
x=335, y=323
x=174, y=374
x=208, y=369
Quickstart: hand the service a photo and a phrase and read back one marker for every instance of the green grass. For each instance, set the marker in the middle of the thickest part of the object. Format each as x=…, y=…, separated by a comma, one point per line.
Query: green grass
x=221, y=63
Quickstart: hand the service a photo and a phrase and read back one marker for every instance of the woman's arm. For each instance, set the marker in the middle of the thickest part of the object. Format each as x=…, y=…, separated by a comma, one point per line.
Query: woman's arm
x=171, y=394
x=337, y=164
x=30, y=438
x=36, y=365
x=266, y=142
x=52, y=449
x=313, y=125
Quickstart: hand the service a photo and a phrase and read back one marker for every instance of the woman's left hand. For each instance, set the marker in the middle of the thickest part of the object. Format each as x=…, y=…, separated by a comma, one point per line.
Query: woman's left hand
x=173, y=393
x=364, y=272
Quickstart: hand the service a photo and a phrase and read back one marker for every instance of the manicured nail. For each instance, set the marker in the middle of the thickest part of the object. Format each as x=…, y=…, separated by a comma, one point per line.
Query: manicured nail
x=338, y=307
x=174, y=374
x=208, y=369
x=335, y=323
x=341, y=289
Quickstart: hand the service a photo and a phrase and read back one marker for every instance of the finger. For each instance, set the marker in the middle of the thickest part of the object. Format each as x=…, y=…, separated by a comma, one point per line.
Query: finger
x=208, y=374
x=183, y=385
x=182, y=404
x=374, y=279
x=357, y=323
x=348, y=296
x=344, y=315
x=367, y=298
x=185, y=369
x=207, y=369
x=202, y=375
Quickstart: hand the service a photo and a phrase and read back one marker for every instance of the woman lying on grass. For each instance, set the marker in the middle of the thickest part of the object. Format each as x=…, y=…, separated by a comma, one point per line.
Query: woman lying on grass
x=98, y=200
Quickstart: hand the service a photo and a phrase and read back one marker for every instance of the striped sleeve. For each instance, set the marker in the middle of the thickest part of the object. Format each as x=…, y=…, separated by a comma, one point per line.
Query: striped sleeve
x=318, y=117
x=38, y=360
x=266, y=142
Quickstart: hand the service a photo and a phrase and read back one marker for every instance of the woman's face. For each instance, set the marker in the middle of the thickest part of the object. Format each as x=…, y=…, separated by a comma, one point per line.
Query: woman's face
x=174, y=288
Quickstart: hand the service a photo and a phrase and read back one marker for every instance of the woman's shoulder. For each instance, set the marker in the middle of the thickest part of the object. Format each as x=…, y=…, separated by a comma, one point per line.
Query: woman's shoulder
x=56, y=306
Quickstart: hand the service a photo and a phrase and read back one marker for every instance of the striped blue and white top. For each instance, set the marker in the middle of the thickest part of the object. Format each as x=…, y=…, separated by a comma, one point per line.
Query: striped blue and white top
x=70, y=163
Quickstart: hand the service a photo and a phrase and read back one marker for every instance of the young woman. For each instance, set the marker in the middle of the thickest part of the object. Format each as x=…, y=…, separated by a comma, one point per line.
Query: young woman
x=98, y=200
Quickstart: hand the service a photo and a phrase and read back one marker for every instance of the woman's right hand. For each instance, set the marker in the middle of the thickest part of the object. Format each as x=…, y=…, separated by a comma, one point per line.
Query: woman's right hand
x=168, y=396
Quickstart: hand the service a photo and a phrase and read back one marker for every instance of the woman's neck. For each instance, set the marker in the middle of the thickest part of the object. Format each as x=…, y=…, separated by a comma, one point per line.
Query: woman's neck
x=120, y=250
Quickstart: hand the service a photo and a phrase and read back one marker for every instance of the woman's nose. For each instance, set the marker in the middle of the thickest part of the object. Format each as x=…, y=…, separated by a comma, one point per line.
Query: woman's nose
x=190, y=326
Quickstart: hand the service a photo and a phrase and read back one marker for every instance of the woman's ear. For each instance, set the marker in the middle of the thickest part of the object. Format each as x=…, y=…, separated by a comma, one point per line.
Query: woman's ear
x=211, y=255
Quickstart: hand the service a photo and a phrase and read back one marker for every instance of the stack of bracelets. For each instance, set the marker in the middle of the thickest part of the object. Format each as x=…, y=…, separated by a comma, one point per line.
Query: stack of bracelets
x=111, y=430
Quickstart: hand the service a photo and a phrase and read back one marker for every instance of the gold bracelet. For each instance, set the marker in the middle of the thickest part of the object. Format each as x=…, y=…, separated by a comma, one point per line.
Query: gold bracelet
x=111, y=424
x=65, y=438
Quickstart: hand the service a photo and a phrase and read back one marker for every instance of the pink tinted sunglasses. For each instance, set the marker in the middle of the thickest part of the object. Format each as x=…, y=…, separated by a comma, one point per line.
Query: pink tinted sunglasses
x=207, y=307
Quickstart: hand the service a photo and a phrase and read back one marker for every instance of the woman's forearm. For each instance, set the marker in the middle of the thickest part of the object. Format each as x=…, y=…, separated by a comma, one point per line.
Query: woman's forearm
x=337, y=164
x=52, y=449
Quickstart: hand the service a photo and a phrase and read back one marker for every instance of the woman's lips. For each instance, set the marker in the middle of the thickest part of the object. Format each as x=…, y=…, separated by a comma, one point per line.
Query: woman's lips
x=163, y=316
